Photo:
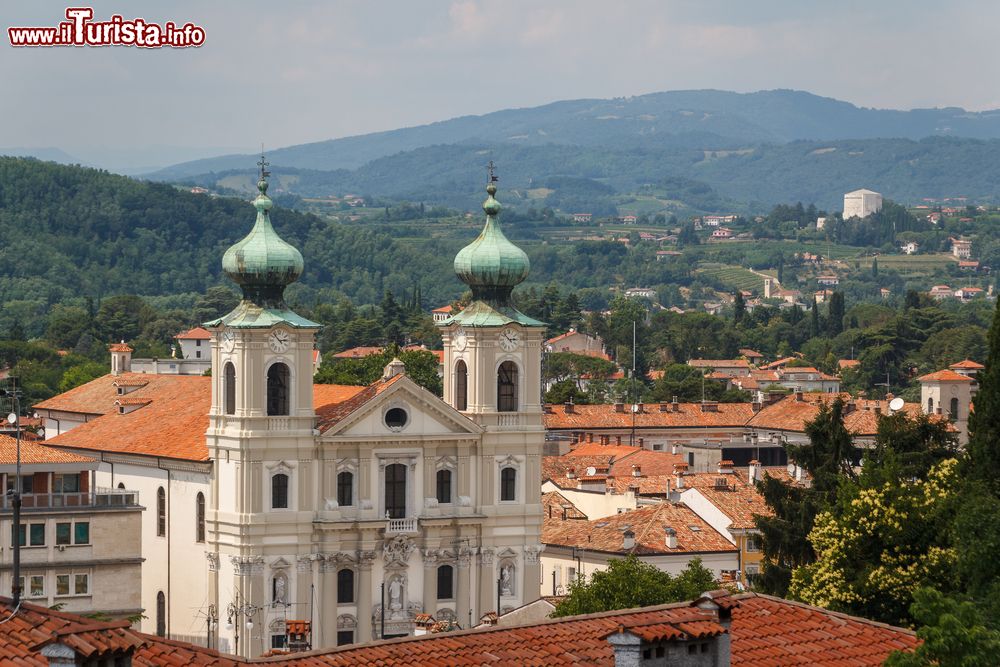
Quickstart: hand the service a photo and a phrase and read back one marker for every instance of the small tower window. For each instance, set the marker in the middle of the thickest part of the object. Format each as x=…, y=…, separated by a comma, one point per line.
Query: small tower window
x=507, y=387
x=230, y=388
x=954, y=408
x=508, y=484
x=930, y=405
x=461, y=386
x=199, y=504
x=445, y=582
x=345, y=586
x=277, y=389
x=444, y=486
x=395, y=491
x=161, y=614
x=161, y=512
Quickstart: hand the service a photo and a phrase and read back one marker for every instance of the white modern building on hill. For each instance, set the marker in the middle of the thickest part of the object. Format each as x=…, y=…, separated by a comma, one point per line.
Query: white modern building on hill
x=861, y=204
x=269, y=498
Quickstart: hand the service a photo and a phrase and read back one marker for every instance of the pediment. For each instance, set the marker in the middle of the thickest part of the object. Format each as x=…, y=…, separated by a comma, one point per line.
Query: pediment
x=426, y=415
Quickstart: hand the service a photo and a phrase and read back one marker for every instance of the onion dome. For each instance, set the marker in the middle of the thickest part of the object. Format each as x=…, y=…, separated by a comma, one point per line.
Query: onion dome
x=263, y=264
x=491, y=265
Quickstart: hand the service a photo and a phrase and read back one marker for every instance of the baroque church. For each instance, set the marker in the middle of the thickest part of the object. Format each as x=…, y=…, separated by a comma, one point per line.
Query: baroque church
x=270, y=498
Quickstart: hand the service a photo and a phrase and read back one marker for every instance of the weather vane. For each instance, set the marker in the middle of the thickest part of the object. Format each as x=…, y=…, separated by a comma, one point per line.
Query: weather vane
x=489, y=169
x=263, y=164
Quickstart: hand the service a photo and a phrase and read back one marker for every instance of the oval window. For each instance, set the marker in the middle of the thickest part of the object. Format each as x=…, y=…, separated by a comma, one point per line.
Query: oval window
x=395, y=418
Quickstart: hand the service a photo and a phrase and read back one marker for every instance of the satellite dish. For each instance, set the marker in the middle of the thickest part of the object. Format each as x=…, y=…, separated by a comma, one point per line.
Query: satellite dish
x=635, y=407
x=12, y=418
x=41, y=433
x=896, y=404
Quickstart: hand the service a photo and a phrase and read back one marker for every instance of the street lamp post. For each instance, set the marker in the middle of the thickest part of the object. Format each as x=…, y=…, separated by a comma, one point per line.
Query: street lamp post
x=236, y=609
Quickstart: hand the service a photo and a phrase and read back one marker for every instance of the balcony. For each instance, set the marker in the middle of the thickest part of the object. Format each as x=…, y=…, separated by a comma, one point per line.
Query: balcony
x=400, y=526
x=99, y=498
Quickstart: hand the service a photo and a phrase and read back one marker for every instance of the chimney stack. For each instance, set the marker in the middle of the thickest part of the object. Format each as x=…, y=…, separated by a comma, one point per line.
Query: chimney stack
x=680, y=469
x=676, y=405
x=725, y=467
x=664, y=407
x=798, y=396
x=671, y=537
x=636, y=471
x=755, y=406
x=571, y=473
x=753, y=472
x=569, y=407
x=619, y=407
x=628, y=539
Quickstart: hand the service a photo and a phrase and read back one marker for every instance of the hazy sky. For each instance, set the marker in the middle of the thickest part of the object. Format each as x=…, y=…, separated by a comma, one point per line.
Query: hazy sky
x=291, y=72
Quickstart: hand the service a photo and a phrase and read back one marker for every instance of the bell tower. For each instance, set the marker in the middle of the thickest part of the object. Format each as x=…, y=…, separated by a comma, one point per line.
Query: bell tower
x=493, y=350
x=260, y=434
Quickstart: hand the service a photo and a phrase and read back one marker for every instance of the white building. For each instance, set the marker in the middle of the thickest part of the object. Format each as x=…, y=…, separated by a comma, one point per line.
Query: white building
x=861, y=204
x=961, y=248
x=948, y=393
x=271, y=498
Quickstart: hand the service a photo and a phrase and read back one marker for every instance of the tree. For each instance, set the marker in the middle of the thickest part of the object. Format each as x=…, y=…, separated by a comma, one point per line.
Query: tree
x=954, y=633
x=630, y=582
x=814, y=320
x=875, y=268
x=835, y=321
x=421, y=367
x=983, y=460
x=739, y=307
x=785, y=535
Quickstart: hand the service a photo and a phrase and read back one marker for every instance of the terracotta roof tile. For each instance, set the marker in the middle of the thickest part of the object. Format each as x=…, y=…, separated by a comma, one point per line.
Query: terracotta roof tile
x=554, y=503
x=792, y=414
x=689, y=415
x=120, y=347
x=198, y=333
x=36, y=453
x=738, y=499
x=331, y=414
x=648, y=523
x=946, y=375
x=968, y=363
x=171, y=421
x=719, y=363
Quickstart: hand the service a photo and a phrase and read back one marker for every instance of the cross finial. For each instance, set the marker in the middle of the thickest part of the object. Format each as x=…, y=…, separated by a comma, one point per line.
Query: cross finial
x=263, y=164
x=489, y=169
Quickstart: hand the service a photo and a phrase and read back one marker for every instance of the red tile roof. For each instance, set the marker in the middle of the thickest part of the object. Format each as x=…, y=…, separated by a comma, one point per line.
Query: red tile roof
x=198, y=333
x=968, y=363
x=719, y=363
x=36, y=453
x=120, y=347
x=792, y=414
x=333, y=413
x=738, y=500
x=648, y=523
x=944, y=376
x=171, y=422
x=689, y=415
x=765, y=632
x=554, y=503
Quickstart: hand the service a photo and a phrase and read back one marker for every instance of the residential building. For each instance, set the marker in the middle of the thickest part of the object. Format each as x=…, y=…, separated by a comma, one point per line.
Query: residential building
x=716, y=630
x=628, y=219
x=968, y=293
x=961, y=248
x=940, y=292
x=577, y=343
x=820, y=223
x=753, y=356
x=807, y=378
x=722, y=233
x=948, y=393
x=80, y=543
x=582, y=217
x=194, y=343
x=641, y=292
x=289, y=500
x=666, y=535
x=968, y=368
x=441, y=314
x=861, y=204
x=716, y=220
x=968, y=265
x=846, y=364
x=822, y=295
x=885, y=292
x=829, y=280
x=730, y=367
x=663, y=255
x=910, y=248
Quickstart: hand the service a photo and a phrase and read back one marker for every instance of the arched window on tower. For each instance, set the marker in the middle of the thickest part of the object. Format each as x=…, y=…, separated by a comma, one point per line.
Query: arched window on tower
x=345, y=586
x=230, y=389
x=161, y=512
x=161, y=614
x=930, y=405
x=279, y=491
x=461, y=386
x=954, y=408
x=345, y=488
x=277, y=389
x=507, y=387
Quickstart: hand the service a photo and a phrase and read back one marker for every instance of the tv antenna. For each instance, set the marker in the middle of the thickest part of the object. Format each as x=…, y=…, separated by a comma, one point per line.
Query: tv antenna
x=490, y=168
x=263, y=164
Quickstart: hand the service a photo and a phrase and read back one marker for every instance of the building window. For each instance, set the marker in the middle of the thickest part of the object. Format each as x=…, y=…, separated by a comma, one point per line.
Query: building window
x=22, y=535
x=345, y=637
x=345, y=489
x=508, y=484
x=279, y=491
x=161, y=512
x=37, y=535
x=161, y=614
x=444, y=486
x=197, y=355
x=81, y=584
x=199, y=517
x=229, y=388
x=461, y=386
x=752, y=544
x=278, y=641
x=345, y=586
x=395, y=491
x=36, y=586
x=446, y=582
x=930, y=405
x=81, y=532
x=953, y=412
x=277, y=389
x=64, y=533
x=62, y=584
x=26, y=483
x=507, y=387
x=66, y=483
x=395, y=418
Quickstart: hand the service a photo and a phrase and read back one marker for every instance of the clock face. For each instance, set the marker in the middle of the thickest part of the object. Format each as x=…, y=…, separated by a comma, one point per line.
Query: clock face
x=279, y=340
x=509, y=339
x=460, y=339
x=228, y=340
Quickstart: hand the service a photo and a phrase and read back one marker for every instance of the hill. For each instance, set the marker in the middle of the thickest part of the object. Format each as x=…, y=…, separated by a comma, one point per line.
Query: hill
x=694, y=119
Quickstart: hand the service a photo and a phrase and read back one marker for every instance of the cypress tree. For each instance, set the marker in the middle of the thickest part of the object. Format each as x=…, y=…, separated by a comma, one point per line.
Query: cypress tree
x=983, y=460
x=814, y=320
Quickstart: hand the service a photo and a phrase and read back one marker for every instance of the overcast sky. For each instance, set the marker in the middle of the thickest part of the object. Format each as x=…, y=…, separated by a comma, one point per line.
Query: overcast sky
x=292, y=72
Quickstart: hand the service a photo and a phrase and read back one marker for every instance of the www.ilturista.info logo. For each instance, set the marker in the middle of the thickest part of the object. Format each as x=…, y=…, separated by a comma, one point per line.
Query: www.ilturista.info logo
x=80, y=30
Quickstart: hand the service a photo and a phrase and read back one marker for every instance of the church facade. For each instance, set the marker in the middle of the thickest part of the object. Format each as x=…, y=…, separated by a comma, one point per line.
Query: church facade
x=354, y=508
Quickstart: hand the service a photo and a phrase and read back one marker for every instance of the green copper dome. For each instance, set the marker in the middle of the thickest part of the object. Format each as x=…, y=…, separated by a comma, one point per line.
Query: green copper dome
x=263, y=264
x=491, y=265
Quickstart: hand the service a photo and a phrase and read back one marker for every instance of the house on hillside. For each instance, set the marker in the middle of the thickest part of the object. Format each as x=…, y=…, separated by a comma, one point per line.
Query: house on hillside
x=577, y=343
x=961, y=248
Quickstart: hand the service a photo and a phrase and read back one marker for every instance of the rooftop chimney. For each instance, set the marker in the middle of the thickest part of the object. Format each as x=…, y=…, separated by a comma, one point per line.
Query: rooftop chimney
x=664, y=407
x=671, y=537
x=798, y=396
x=676, y=405
x=569, y=407
x=393, y=368
x=571, y=473
x=725, y=467
x=121, y=358
x=619, y=407
x=755, y=407
x=636, y=471
x=709, y=406
x=753, y=471
x=628, y=540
